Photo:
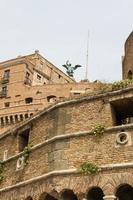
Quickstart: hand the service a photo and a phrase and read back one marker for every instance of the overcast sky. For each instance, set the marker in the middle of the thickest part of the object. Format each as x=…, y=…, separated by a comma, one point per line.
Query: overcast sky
x=58, y=29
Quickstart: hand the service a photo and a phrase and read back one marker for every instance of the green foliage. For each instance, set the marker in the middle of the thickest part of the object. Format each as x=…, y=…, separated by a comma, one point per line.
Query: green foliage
x=26, y=154
x=1, y=171
x=121, y=84
x=89, y=168
x=98, y=130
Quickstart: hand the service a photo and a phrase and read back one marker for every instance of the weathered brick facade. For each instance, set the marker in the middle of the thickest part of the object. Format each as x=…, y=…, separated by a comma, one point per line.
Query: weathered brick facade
x=41, y=157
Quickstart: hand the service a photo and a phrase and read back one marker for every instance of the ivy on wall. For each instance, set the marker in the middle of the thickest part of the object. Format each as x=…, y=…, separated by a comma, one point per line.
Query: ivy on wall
x=89, y=168
x=98, y=130
x=1, y=171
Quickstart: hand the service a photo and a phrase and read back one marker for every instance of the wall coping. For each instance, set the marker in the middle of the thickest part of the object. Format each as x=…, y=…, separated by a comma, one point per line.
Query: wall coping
x=60, y=104
x=66, y=172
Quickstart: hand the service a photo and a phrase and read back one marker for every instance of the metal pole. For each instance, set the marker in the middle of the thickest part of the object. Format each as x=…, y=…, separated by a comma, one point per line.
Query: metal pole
x=87, y=57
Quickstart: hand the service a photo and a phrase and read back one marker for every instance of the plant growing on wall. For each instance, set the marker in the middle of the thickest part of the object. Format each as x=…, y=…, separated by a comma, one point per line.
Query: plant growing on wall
x=98, y=130
x=1, y=171
x=26, y=154
x=89, y=168
x=121, y=84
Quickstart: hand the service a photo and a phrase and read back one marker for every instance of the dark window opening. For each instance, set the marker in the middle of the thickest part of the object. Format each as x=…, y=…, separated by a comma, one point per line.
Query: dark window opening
x=39, y=77
x=46, y=196
x=130, y=74
x=95, y=193
x=76, y=93
x=31, y=114
x=7, y=104
x=68, y=195
x=51, y=98
x=11, y=119
x=59, y=76
x=29, y=198
x=23, y=140
x=6, y=120
x=2, y=121
x=29, y=100
x=124, y=192
x=16, y=118
x=6, y=74
x=122, y=111
x=21, y=117
x=26, y=116
x=27, y=74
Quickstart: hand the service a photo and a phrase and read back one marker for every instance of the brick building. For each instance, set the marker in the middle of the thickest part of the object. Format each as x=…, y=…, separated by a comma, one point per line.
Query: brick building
x=41, y=154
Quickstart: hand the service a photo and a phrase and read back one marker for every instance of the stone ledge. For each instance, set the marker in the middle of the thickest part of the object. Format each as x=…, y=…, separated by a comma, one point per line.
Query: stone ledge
x=60, y=104
x=67, y=136
x=66, y=172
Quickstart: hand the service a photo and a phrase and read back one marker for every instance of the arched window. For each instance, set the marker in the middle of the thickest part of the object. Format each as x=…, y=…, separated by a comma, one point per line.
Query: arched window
x=21, y=117
x=31, y=114
x=26, y=116
x=16, y=118
x=6, y=120
x=95, y=193
x=11, y=119
x=51, y=98
x=68, y=194
x=29, y=198
x=46, y=196
x=2, y=121
x=130, y=74
x=125, y=192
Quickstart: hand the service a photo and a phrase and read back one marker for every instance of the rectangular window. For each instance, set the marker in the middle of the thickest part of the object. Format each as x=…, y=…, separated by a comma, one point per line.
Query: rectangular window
x=6, y=74
x=23, y=140
x=122, y=111
x=7, y=104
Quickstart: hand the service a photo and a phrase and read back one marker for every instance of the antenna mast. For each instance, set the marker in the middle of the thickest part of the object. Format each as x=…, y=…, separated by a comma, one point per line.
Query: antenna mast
x=87, y=56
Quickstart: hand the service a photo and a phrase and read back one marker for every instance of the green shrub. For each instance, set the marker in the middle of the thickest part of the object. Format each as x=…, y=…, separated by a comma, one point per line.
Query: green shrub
x=26, y=154
x=89, y=168
x=98, y=130
x=121, y=84
x=1, y=171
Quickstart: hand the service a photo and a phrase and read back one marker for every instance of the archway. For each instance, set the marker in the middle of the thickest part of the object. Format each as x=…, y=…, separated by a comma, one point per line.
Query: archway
x=46, y=196
x=95, y=193
x=125, y=192
x=29, y=198
x=130, y=74
x=68, y=194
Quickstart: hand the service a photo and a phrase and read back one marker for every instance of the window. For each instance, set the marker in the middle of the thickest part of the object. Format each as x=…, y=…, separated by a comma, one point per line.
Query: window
x=6, y=120
x=59, y=76
x=7, y=74
x=27, y=74
x=130, y=74
x=11, y=119
x=39, y=77
x=16, y=118
x=29, y=100
x=7, y=104
x=23, y=140
x=26, y=116
x=4, y=89
x=21, y=117
x=51, y=98
x=2, y=121
x=122, y=111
